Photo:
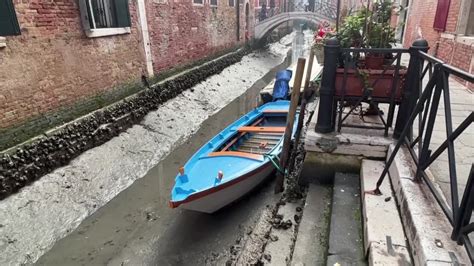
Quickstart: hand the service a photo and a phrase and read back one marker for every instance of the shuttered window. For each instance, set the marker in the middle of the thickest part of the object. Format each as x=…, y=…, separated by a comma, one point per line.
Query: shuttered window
x=8, y=21
x=441, y=15
x=99, y=14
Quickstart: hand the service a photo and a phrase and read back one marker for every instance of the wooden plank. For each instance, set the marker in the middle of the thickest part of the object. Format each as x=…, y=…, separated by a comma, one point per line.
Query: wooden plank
x=262, y=129
x=251, y=151
x=241, y=135
x=275, y=111
x=306, y=95
x=258, y=141
x=237, y=154
x=266, y=137
x=295, y=95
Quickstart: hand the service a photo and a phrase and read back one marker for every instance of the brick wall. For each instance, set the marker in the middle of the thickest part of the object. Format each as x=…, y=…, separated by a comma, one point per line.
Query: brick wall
x=53, y=64
x=420, y=22
x=53, y=68
x=181, y=32
x=447, y=45
x=458, y=54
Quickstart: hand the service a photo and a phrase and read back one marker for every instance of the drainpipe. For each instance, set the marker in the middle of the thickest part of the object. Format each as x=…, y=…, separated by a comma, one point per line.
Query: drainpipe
x=145, y=37
x=237, y=11
x=338, y=13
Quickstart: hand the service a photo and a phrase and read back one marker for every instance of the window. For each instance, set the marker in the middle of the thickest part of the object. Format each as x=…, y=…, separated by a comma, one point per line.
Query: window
x=105, y=17
x=231, y=2
x=200, y=2
x=213, y=2
x=441, y=15
x=8, y=21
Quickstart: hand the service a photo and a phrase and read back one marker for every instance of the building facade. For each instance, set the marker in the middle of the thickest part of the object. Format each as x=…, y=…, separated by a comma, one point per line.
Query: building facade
x=54, y=55
x=447, y=25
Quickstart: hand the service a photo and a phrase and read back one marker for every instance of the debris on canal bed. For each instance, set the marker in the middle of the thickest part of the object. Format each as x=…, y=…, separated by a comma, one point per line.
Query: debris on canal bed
x=101, y=173
x=273, y=238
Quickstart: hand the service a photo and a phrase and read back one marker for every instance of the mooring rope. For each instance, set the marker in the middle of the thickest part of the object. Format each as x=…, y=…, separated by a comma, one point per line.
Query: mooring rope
x=274, y=160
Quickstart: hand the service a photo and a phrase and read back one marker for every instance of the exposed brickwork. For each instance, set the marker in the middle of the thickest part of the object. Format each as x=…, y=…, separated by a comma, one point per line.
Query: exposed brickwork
x=420, y=22
x=453, y=16
x=181, y=31
x=457, y=54
x=447, y=46
x=53, y=65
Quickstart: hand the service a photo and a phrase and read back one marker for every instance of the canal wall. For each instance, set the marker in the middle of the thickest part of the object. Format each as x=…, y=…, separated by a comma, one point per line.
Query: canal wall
x=60, y=67
x=50, y=208
x=33, y=160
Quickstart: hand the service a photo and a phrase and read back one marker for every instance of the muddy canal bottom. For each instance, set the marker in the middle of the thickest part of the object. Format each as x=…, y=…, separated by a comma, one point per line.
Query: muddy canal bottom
x=138, y=227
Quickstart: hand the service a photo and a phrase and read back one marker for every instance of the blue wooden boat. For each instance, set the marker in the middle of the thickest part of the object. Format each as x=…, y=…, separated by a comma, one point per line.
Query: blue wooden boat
x=234, y=162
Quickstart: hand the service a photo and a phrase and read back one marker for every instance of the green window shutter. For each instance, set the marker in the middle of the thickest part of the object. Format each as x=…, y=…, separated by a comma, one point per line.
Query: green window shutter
x=8, y=21
x=123, y=14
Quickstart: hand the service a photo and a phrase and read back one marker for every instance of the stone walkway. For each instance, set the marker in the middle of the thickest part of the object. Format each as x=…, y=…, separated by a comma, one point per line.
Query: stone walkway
x=462, y=104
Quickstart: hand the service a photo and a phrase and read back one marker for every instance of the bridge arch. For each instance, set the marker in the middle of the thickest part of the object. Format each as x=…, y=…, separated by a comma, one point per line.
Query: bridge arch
x=266, y=26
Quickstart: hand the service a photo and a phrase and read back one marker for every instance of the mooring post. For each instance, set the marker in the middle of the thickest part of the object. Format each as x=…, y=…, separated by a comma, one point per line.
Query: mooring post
x=411, y=88
x=295, y=95
x=304, y=100
x=324, y=123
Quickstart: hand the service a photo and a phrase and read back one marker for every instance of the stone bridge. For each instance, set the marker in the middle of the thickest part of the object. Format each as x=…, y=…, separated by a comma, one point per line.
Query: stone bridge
x=264, y=27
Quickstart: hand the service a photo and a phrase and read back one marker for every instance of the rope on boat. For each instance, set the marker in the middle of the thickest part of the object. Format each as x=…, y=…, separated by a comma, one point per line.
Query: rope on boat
x=274, y=159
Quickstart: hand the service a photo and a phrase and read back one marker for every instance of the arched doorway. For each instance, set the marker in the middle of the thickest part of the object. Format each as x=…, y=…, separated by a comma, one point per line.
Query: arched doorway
x=247, y=22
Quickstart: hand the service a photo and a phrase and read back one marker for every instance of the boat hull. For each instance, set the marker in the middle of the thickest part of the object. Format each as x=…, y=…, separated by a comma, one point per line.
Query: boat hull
x=214, y=199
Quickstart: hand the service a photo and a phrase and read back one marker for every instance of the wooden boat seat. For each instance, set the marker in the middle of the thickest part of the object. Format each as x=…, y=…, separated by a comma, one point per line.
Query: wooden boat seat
x=262, y=129
x=249, y=155
x=271, y=111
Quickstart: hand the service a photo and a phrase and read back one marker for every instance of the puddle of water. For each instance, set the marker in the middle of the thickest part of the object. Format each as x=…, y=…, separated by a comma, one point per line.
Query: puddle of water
x=138, y=227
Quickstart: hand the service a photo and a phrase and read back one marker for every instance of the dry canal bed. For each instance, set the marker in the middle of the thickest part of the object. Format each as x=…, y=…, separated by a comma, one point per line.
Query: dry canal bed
x=53, y=207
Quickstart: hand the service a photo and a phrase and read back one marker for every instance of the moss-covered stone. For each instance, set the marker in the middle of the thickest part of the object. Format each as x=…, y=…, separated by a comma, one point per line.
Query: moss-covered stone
x=23, y=165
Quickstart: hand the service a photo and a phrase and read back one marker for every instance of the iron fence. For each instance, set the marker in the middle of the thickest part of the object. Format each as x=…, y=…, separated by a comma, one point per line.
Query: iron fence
x=356, y=73
x=424, y=109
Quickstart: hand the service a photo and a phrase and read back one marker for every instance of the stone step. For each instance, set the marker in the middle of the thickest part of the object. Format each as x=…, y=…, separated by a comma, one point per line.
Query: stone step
x=312, y=240
x=346, y=245
x=384, y=238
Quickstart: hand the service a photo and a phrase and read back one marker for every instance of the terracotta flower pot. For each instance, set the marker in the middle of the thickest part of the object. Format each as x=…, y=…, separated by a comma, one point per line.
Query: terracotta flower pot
x=382, y=89
x=374, y=61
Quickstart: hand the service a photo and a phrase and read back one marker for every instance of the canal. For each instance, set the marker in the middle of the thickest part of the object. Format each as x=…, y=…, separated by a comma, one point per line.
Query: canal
x=138, y=228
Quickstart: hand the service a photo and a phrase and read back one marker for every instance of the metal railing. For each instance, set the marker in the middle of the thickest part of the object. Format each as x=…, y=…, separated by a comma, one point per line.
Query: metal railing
x=372, y=82
x=425, y=108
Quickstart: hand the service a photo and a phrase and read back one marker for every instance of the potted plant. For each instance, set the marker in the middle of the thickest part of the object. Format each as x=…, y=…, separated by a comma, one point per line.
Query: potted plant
x=324, y=32
x=379, y=33
x=367, y=75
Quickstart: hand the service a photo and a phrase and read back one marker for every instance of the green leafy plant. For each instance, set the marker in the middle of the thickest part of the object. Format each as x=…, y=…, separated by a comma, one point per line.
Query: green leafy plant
x=369, y=27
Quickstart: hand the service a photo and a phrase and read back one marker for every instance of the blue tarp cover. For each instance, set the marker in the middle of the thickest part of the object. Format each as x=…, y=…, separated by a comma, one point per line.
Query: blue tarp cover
x=281, y=88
